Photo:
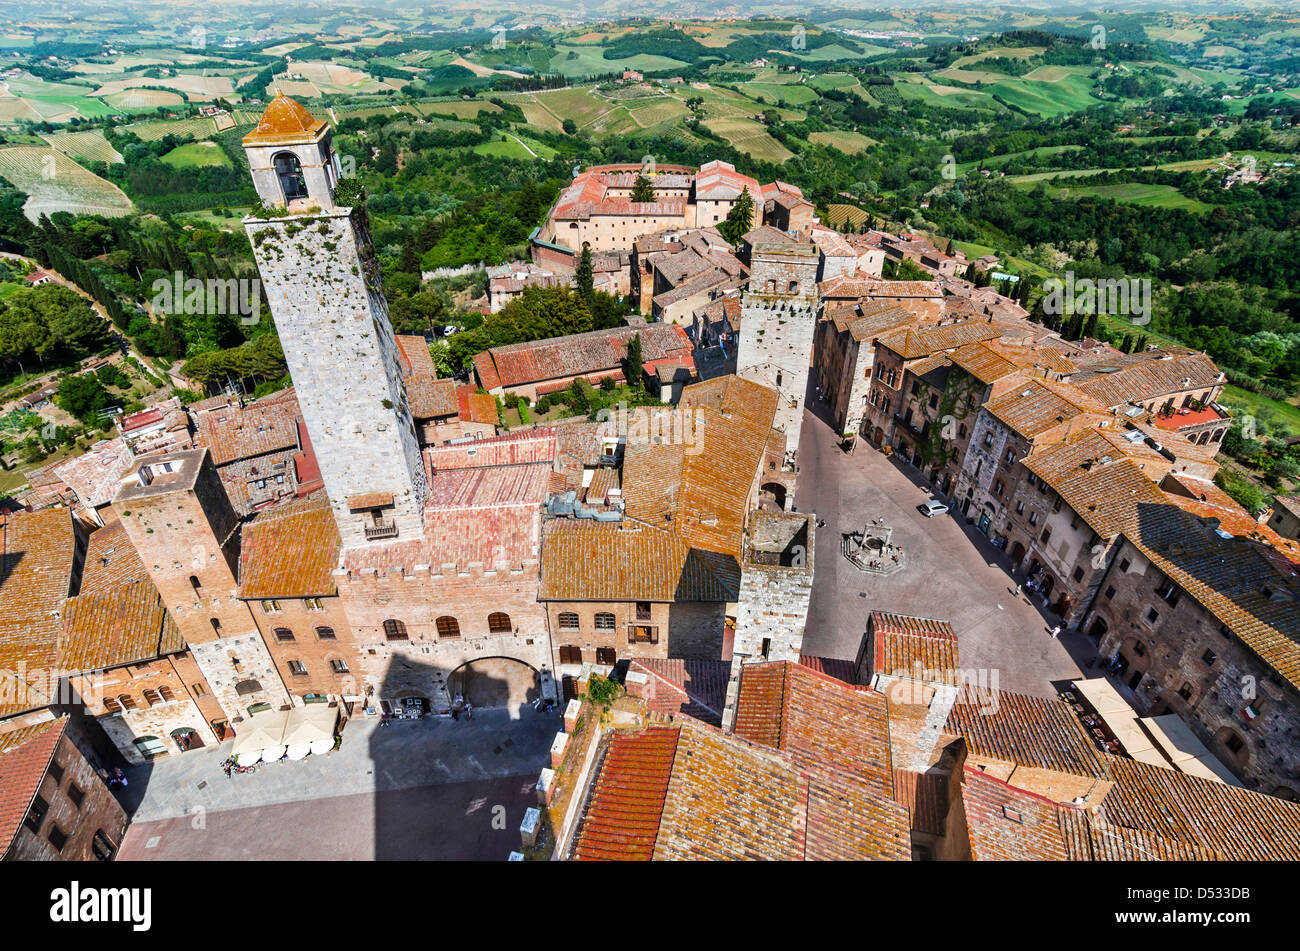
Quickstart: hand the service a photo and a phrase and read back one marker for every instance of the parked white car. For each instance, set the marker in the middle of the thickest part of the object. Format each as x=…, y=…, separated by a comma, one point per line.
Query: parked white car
x=932, y=508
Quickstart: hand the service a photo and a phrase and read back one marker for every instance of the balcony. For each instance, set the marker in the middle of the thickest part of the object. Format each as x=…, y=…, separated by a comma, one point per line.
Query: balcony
x=381, y=528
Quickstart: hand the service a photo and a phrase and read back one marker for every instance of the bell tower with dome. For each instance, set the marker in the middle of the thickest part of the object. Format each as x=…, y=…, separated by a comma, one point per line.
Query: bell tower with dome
x=323, y=286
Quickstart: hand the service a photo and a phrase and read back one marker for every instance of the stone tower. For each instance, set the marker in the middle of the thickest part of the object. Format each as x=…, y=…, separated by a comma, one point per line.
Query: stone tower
x=778, y=316
x=177, y=514
x=322, y=285
x=776, y=578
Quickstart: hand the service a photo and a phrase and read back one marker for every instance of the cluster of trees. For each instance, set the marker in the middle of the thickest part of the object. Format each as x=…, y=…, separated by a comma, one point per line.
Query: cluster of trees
x=260, y=360
x=48, y=325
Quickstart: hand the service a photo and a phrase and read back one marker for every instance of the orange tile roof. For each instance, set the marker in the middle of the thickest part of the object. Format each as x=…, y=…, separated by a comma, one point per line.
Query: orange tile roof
x=260, y=427
x=284, y=121
x=118, y=617
x=833, y=730
x=25, y=756
x=35, y=580
x=1028, y=731
x=1239, y=824
x=1040, y=406
x=476, y=407
x=911, y=343
x=903, y=645
x=696, y=688
x=289, y=551
x=622, y=818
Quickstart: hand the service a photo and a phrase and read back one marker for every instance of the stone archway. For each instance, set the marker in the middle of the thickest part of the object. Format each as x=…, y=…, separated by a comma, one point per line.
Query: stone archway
x=488, y=682
x=771, y=496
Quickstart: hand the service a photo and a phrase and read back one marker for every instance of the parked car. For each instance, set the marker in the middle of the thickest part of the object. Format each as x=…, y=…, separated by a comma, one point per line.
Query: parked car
x=932, y=508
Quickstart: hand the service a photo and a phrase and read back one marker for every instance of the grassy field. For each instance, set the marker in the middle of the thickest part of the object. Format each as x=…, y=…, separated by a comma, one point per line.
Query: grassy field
x=849, y=142
x=1133, y=193
x=195, y=155
x=750, y=137
x=198, y=128
x=53, y=182
x=1256, y=404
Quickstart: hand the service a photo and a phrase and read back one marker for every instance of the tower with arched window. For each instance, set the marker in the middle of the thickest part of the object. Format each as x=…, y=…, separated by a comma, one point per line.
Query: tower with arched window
x=322, y=283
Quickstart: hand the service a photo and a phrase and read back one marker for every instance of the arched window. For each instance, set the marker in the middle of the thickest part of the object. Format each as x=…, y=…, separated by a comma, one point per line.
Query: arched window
x=151, y=697
x=499, y=622
x=448, y=627
x=604, y=621
x=395, y=630
x=568, y=621
x=245, y=687
x=166, y=694
x=111, y=705
x=194, y=583
x=325, y=634
x=289, y=170
x=127, y=701
x=283, y=634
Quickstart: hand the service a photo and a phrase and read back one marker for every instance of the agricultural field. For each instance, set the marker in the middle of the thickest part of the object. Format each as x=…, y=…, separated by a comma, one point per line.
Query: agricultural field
x=129, y=100
x=1158, y=196
x=25, y=97
x=836, y=215
x=84, y=146
x=851, y=143
x=750, y=138
x=53, y=182
x=786, y=94
x=196, y=154
x=197, y=127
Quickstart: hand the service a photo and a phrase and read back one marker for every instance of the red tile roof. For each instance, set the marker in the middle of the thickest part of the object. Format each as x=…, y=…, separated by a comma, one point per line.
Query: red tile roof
x=622, y=818
x=24, y=759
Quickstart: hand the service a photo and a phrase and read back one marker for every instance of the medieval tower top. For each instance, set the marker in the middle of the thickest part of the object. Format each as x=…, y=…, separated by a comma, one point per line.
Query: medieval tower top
x=292, y=158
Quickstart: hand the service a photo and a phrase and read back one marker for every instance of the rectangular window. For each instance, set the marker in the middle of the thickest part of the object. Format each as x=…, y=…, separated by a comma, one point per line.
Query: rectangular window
x=270, y=607
x=1110, y=592
x=1152, y=615
x=36, y=814
x=56, y=771
x=76, y=795
x=1078, y=574
x=58, y=838
x=339, y=666
x=1047, y=535
x=297, y=669
x=1209, y=657
x=315, y=604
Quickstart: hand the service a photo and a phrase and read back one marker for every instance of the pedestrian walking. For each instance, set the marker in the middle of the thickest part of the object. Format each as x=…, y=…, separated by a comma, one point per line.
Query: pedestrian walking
x=1019, y=585
x=469, y=710
x=1056, y=630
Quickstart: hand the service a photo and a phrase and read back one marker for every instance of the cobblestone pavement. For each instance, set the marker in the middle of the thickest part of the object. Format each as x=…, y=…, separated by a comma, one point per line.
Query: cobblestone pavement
x=951, y=571
x=427, y=789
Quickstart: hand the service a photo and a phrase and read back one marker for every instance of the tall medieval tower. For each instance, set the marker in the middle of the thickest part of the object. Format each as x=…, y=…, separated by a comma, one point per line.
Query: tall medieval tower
x=778, y=316
x=322, y=284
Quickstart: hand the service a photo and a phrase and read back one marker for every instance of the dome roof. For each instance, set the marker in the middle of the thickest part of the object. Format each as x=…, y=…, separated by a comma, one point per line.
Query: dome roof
x=285, y=121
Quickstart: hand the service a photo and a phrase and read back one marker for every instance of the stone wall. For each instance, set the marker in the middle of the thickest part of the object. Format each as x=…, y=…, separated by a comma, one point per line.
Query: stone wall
x=305, y=623
x=322, y=286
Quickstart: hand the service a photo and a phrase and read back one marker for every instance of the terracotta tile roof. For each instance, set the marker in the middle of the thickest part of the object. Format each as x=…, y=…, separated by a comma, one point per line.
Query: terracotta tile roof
x=718, y=180
x=983, y=362
x=586, y=561
x=25, y=756
x=95, y=474
x=1027, y=731
x=289, y=550
x=284, y=121
x=622, y=818
x=475, y=407
x=37, y=550
x=1236, y=823
x=1246, y=585
x=911, y=343
x=925, y=797
x=1289, y=503
x=1228, y=516
x=488, y=487
x=509, y=449
x=847, y=287
x=118, y=616
x=902, y=645
x=697, y=688
x=260, y=427
x=432, y=399
x=1040, y=406
x=1009, y=824
x=577, y=354
x=833, y=730
x=843, y=670
x=1150, y=378
x=1106, y=495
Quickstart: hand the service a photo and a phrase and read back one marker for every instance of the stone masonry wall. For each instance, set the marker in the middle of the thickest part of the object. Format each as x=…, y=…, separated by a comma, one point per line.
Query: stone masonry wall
x=322, y=287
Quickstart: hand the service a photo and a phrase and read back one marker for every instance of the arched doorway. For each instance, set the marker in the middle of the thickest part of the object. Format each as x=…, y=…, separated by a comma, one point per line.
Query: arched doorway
x=1098, y=629
x=289, y=170
x=1017, y=553
x=771, y=496
x=878, y=436
x=495, y=682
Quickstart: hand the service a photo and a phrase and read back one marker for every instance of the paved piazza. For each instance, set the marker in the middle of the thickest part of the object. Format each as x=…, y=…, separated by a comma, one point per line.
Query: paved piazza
x=951, y=572
x=425, y=790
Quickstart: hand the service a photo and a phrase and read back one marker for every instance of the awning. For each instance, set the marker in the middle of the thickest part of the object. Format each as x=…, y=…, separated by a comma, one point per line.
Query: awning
x=310, y=729
x=1177, y=741
x=1103, y=697
x=259, y=737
